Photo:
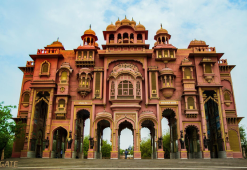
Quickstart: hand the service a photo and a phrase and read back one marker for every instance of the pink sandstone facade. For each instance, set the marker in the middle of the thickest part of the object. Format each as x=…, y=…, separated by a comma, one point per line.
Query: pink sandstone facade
x=128, y=85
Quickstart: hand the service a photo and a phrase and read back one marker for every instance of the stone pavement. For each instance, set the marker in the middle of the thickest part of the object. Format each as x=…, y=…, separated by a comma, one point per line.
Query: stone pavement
x=40, y=164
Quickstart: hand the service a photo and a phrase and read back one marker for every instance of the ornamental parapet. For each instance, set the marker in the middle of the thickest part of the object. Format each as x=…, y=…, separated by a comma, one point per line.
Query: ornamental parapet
x=204, y=50
x=48, y=51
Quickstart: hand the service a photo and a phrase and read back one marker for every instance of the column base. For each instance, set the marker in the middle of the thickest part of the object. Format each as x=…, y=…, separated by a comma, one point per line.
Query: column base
x=68, y=154
x=183, y=154
x=90, y=155
x=23, y=154
x=137, y=155
x=229, y=154
x=114, y=154
x=160, y=154
x=206, y=154
x=46, y=154
x=31, y=154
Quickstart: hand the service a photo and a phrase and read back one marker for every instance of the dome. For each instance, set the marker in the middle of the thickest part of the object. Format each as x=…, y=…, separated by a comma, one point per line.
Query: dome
x=140, y=27
x=132, y=22
x=197, y=42
x=166, y=70
x=125, y=21
x=118, y=23
x=55, y=44
x=162, y=30
x=89, y=31
x=111, y=27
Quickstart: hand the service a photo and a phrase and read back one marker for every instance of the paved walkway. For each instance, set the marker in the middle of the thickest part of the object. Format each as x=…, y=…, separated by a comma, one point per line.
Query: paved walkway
x=39, y=164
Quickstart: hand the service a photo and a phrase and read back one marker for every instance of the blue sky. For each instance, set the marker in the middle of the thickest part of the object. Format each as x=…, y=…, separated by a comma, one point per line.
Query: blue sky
x=26, y=26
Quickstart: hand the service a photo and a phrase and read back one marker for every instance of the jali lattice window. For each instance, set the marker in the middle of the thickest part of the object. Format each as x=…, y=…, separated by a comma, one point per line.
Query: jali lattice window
x=138, y=90
x=45, y=68
x=125, y=89
x=112, y=90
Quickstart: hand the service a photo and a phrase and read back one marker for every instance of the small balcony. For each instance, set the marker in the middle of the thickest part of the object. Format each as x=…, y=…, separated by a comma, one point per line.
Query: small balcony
x=204, y=50
x=83, y=91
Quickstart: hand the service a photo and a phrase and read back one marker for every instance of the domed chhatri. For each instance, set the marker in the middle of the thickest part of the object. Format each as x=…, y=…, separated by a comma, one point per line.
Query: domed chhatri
x=125, y=21
x=132, y=22
x=162, y=30
x=111, y=27
x=89, y=31
x=118, y=22
x=140, y=27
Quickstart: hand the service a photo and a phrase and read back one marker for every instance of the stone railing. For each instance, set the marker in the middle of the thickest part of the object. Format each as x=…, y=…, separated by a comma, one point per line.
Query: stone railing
x=30, y=63
x=204, y=50
x=48, y=51
x=222, y=62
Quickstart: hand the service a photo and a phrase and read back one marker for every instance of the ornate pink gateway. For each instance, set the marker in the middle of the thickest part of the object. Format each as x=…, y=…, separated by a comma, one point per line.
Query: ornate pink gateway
x=126, y=84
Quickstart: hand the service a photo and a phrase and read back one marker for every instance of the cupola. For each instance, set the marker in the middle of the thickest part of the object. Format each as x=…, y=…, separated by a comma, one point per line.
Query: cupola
x=118, y=23
x=125, y=21
x=111, y=27
x=140, y=27
x=132, y=22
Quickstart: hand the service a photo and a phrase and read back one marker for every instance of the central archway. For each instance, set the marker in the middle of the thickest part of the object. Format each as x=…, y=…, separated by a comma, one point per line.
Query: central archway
x=125, y=125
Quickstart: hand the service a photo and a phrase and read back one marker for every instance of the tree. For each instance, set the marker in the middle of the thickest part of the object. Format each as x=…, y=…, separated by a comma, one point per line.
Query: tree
x=106, y=149
x=166, y=143
x=85, y=145
x=9, y=130
x=243, y=137
x=146, y=148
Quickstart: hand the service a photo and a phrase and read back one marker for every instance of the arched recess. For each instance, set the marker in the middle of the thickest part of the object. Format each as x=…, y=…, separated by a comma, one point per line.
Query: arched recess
x=45, y=68
x=58, y=142
x=192, y=141
x=81, y=116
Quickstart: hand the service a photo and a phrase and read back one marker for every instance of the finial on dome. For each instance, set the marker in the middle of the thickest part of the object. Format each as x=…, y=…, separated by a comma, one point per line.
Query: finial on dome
x=125, y=17
x=132, y=19
x=139, y=22
x=111, y=22
x=90, y=26
x=57, y=38
x=161, y=25
x=118, y=18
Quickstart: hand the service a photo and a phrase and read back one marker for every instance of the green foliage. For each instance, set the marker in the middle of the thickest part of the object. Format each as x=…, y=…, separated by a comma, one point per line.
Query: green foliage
x=166, y=143
x=85, y=145
x=8, y=149
x=146, y=148
x=243, y=137
x=106, y=149
x=122, y=151
x=8, y=128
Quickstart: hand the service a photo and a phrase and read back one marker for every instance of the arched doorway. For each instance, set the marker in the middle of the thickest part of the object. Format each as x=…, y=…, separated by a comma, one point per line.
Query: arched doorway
x=192, y=142
x=81, y=117
x=59, y=144
x=170, y=115
x=150, y=151
x=127, y=142
x=215, y=141
x=101, y=126
x=39, y=124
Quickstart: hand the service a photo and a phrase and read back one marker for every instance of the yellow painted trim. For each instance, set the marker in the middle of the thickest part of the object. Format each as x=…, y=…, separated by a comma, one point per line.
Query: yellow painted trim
x=221, y=117
x=32, y=114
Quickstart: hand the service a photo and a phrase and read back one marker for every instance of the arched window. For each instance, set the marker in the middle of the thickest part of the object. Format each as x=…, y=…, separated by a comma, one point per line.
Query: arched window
x=45, y=67
x=26, y=97
x=125, y=88
x=83, y=81
x=139, y=38
x=159, y=54
x=119, y=38
x=208, y=68
x=159, y=40
x=61, y=104
x=125, y=35
x=87, y=84
x=84, y=54
x=227, y=96
x=90, y=54
x=163, y=40
x=111, y=38
x=187, y=73
x=88, y=41
x=190, y=102
x=92, y=41
x=138, y=90
x=64, y=77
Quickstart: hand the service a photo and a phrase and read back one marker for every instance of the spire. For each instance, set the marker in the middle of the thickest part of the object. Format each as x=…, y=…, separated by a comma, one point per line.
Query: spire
x=90, y=27
x=57, y=38
x=125, y=17
x=111, y=22
x=161, y=25
x=132, y=19
x=118, y=18
x=139, y=22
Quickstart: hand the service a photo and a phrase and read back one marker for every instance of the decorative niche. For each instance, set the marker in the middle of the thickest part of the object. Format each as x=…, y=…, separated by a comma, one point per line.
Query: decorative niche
x=61, y=107
x=208, y=73
x=227, y=97
x=84, y=78
x=25, y=98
